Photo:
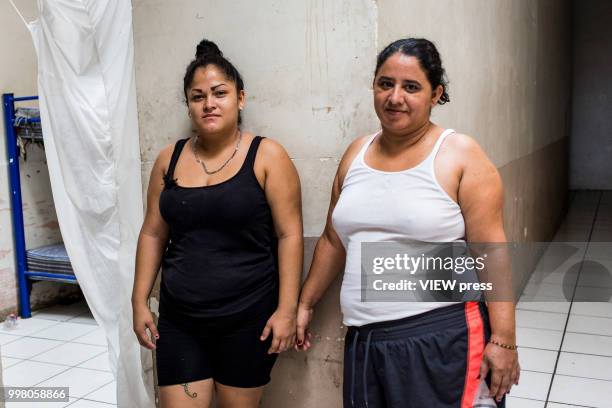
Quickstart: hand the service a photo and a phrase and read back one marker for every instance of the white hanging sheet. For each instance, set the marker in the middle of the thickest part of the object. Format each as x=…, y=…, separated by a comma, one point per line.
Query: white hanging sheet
x=88, y=110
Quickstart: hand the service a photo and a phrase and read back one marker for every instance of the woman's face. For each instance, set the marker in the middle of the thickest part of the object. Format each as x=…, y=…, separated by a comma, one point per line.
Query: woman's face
x=403, y=97
x=213, y=101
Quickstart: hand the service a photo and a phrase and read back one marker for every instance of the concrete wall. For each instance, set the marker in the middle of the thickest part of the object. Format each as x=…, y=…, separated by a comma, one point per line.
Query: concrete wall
x=591, y=139
x=308, y=70
x=18, y=75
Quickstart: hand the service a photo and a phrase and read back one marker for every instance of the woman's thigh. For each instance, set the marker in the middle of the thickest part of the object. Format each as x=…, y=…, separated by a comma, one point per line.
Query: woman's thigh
x=197, y=394
x=236, y=397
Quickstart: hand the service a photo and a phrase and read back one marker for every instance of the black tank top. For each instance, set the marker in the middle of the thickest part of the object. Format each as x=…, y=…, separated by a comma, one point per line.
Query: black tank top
x=222, y=254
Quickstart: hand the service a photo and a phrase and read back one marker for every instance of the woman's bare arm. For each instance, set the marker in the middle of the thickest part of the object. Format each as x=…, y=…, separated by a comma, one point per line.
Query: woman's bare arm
x=481, y=201
x=329, y=254
x=283, y=193
x=152, y=242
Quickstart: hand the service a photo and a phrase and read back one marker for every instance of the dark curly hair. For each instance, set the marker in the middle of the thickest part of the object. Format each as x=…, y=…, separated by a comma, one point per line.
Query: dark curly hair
x=427, y=54
x=207, y=53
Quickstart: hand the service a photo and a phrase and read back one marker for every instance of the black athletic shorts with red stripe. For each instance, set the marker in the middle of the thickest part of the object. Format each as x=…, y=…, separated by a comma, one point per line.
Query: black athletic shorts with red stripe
x=430, y=360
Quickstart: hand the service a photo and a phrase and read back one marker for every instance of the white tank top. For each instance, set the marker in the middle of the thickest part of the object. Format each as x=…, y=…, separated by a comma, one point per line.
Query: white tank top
x=377, y=206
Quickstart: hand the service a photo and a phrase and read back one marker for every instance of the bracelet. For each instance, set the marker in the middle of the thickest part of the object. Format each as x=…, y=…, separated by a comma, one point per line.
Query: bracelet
x=502, y=345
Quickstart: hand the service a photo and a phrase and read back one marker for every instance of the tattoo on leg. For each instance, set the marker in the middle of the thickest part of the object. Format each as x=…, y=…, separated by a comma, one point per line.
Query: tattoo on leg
x=186, y=388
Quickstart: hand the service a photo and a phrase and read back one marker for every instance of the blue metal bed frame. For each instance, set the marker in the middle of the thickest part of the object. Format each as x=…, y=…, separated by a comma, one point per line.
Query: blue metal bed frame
x=25, y=277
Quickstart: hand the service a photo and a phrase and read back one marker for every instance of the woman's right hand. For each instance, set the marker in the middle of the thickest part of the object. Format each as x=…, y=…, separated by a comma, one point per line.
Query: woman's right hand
x=143, y=320
x=304, y=316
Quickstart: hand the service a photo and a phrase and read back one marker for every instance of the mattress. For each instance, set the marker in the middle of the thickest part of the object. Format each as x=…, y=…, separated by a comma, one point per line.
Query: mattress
x=49, y=258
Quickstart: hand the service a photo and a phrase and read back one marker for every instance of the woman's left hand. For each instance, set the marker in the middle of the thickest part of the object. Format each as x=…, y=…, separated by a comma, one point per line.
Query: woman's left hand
x=505, y=369
x=282, y=324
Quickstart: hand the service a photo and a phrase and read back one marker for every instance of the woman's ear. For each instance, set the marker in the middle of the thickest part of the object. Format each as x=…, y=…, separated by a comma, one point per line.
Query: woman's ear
x=436, y=95
x=241, y=99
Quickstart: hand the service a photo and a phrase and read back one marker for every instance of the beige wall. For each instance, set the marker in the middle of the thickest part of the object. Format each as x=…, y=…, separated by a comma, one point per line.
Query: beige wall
x=18, y=75
x=308, y=67
x=591, y=140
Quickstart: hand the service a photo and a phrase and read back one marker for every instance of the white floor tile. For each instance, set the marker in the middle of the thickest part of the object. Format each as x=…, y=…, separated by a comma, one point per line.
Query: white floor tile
x=555, y=307
x=600, y=309
x=90, y=404
x=25, y=327
x=537, y=360
x=60, y=313
x=599, y=251
x=540, y=320
x=560, y=256
x=534, y=291
x=596, y=273
x=29, y=373
x=532, y=385
x=513, y=402
x=95, y=337
x=70, y=354
x=86, y=318
x=100, y=362
x=27, y=347
x=596, y=266
x=9, y=361
x=593, y=294
x=64, y=331
x=538, y=338
x=590, y=325
x=570, y=233
x=108, y=394
x=555, y=405
x=587, y=344
x=41, y=404
x=568, y=276
x=81, y=381
x=581, y=391
x=7, y=338
x=584, y=365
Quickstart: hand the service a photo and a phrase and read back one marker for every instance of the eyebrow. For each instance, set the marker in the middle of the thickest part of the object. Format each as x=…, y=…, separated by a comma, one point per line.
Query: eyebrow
x=213, y=88
x=407, y=81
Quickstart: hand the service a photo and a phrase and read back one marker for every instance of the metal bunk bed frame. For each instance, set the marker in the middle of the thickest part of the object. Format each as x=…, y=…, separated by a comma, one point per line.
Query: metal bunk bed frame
x=25, y=277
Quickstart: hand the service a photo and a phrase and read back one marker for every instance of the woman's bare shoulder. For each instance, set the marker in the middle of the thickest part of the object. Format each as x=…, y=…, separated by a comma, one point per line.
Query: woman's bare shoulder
x=465, y=147
x=349, y=155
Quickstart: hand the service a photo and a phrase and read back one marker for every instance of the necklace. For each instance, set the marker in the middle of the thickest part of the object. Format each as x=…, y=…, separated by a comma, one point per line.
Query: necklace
x=197, y=158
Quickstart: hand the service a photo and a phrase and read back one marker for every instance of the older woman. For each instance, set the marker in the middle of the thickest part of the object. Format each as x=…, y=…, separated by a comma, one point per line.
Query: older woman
x=224, y=221
x=413, y=180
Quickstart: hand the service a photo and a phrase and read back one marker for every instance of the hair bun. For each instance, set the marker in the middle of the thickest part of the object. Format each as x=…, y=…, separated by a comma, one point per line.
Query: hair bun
x=206, y=47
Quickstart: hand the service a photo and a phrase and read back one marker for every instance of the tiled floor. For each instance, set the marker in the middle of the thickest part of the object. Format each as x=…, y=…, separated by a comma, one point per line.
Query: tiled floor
x=59, y=346
x=566, y=347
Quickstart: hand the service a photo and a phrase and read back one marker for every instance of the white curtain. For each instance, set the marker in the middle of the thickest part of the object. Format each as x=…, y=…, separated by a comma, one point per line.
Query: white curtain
x=88, y=109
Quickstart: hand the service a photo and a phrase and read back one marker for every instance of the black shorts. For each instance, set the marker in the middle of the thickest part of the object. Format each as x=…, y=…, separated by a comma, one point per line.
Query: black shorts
x=226, y=349
x=428, y=360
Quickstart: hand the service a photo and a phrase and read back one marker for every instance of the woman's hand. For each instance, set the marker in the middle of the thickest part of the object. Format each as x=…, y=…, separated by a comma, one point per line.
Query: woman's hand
x=304, y=316
x=505, y=369
x=143, y=319
x=282, y=326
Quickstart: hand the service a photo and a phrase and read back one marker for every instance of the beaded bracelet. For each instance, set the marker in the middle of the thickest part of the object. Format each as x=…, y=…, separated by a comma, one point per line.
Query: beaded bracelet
x=502, y=345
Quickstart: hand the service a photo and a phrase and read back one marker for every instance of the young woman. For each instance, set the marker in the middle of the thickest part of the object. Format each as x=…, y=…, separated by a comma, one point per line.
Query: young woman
x=412, y=180
x=224, y=222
